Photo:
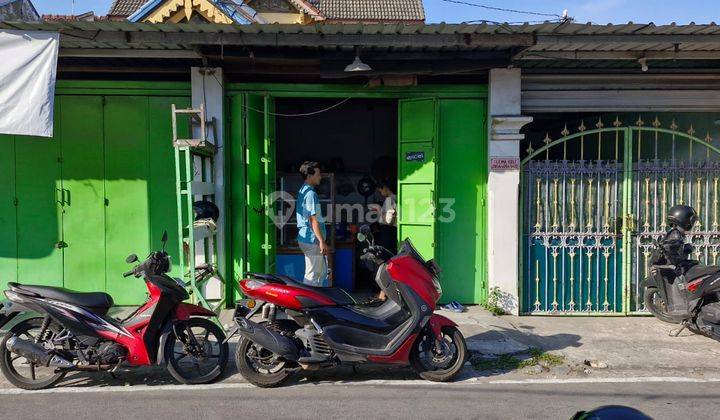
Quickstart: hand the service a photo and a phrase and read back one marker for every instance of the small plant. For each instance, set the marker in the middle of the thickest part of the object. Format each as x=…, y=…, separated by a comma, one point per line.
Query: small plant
x=493, y=302
x=507, y=362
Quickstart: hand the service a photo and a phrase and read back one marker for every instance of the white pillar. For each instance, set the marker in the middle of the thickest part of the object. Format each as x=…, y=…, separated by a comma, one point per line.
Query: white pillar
x=208, y=88
x=504, y=138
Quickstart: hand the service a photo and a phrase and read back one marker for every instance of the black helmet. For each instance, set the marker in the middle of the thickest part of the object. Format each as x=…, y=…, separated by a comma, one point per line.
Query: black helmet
x=682, y=216
x=206, y=210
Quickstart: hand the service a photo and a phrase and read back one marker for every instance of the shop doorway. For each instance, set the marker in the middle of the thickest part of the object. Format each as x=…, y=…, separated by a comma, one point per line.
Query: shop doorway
x=355, y=142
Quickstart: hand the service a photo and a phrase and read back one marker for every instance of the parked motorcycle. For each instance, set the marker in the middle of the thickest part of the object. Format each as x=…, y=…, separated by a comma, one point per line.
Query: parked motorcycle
x=75, y=332
x=310, y=328
x=680, y=290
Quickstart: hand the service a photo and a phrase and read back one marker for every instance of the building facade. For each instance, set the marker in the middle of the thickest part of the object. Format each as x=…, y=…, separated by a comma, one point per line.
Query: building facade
x=558, y=146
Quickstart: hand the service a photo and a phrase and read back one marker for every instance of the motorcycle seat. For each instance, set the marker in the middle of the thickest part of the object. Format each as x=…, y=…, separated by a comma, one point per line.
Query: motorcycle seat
x=700, y=270
x=98, y=302
x=339, y=296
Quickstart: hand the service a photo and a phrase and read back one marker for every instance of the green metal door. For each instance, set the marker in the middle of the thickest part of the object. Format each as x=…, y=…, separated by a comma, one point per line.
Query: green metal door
x=418, y=127
x=127, y=224
x=39, y=218
x=254, y=169
x=259, y=140
x=269, y=168
x=461, y=213
x=83, y=170
x=8, y=214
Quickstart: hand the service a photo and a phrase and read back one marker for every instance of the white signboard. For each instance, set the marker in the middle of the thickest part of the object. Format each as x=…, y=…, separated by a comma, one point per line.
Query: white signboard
x=504, y=163
x=27, y=82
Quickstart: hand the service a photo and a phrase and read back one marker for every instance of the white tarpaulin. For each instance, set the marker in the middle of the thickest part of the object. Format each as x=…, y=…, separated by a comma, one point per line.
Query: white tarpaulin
x=28, y=62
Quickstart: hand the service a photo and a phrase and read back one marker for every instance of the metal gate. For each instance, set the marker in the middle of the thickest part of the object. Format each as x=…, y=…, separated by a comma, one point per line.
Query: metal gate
x=594, y=201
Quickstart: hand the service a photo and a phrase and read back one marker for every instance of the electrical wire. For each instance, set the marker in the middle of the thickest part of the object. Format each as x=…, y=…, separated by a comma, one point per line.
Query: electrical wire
x=304, y=114
x=276, y=114
x=501, y=9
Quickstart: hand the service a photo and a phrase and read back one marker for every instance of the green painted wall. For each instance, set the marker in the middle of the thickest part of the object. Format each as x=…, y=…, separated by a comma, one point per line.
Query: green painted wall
x=104, y=186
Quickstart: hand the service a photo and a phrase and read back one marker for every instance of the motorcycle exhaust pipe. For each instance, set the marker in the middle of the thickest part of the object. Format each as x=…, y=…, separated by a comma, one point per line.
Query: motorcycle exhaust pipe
x=269, y=339
x=36, y=353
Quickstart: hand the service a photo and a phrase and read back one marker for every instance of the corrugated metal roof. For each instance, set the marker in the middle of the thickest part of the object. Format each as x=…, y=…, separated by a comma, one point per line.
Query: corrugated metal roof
x=372, y=9
x=575, y=29
x=558, y=38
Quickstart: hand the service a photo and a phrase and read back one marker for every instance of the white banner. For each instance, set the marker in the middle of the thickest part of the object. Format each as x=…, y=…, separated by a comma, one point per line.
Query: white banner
x=28, y=63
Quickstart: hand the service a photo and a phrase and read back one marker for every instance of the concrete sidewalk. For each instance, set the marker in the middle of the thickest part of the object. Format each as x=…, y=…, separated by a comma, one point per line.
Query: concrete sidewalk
x=593, y=346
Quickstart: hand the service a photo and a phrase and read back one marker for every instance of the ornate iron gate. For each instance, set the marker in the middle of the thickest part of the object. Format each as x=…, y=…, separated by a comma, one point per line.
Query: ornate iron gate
x=594, y=201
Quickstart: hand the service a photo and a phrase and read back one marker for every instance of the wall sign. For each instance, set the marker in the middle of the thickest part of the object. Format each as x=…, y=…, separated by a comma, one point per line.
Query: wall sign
x=414, y=156
x=504, y=163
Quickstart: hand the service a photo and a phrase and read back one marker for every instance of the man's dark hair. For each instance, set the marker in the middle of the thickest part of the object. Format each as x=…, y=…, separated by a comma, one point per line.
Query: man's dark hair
x=307, y=169
x=383, y=183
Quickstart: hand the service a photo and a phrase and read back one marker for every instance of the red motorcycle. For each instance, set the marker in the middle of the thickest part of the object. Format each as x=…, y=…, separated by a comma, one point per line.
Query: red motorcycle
x=75, y=333
x=309, y=328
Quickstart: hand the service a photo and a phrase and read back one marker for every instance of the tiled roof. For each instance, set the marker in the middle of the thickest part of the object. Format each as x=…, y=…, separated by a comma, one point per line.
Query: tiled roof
x=371, y=10
x=125, y=7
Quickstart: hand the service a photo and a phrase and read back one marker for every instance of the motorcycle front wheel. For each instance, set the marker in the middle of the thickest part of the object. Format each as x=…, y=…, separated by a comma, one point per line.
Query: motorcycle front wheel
x=195, y=351
x=656, y=305
x=439, y=360
x=260, y=366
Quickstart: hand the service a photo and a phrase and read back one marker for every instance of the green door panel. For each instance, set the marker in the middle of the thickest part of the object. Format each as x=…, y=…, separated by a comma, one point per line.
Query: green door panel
x=238, y=192
x=127, y=227
x=39, y=220
x=418, y=122
x=462, y=182
x=417, y=127
x=8, y=214
x=161, y=187
x=83, y=171
x=270, y=183
x=255, y=173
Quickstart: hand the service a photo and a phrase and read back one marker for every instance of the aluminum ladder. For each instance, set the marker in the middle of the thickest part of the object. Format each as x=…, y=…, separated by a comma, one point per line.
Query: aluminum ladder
x=194, y=175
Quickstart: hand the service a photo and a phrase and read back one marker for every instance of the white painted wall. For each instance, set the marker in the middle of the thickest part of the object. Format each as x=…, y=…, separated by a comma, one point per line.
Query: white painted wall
x=207, y=87
x=505, y=121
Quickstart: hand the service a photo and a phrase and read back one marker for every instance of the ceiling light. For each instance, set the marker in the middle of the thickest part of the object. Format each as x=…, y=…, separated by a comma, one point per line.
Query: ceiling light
x=643, y=64
x=357, y=64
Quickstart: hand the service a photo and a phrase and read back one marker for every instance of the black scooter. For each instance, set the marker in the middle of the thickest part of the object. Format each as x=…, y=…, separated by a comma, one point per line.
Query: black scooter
x=686, y=293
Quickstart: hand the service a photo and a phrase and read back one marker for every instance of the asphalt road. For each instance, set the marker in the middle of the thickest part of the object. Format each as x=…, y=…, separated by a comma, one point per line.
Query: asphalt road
x=365, y=401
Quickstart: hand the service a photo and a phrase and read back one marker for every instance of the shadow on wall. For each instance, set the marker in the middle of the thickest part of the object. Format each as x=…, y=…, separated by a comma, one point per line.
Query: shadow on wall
x=74, y=206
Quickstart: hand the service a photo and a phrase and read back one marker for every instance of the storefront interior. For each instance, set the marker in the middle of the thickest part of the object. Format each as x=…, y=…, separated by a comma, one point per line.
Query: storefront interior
x=355, y=142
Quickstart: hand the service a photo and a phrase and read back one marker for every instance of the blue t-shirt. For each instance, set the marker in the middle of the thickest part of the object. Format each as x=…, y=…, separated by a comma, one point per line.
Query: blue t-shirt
x=308, y=204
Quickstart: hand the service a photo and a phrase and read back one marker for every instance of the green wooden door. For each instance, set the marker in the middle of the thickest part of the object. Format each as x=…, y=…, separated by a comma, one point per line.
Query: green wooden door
x=270, y=184
x=417, y=138
x=39, y=218
x=254, y=170
x=81, y=142
x=8, y=214
x=461, y=212
x=127, y=224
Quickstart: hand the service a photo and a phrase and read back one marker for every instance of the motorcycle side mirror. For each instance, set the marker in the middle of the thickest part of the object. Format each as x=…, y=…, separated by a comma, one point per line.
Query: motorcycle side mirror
x=131, y=258
x=164, y=239
x=365, y=234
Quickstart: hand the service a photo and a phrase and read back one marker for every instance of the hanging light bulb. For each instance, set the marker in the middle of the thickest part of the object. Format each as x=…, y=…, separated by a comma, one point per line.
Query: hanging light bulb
x=357, y=64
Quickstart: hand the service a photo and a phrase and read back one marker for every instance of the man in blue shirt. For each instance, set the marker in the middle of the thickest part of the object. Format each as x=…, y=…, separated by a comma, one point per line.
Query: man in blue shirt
x=311, y=226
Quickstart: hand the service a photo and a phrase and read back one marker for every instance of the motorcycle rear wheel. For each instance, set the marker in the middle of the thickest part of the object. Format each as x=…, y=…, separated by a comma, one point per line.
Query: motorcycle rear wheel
x=256, y=364
x=439, y=365
x=14, y=367
x=655, y=304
